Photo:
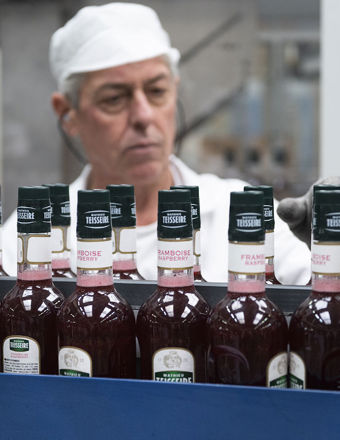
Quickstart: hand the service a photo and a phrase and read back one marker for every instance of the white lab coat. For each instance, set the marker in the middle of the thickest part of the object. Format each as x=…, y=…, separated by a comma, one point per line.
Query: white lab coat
x=292, y=257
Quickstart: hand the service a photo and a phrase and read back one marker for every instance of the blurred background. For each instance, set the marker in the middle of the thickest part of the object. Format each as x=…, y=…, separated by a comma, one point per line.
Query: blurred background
x=249, y=98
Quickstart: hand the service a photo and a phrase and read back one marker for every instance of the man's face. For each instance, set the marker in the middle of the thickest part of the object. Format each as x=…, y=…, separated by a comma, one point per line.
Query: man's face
x=126, y=121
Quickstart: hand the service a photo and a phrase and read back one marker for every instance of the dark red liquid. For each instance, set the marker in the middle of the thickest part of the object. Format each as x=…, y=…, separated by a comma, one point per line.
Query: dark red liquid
x=173, y=317
x=63, y=273
x=271, y=278
x=314, y=334
x=128, y=274
x=246, y=331
x=30, y=309
x=198, y=276
x=99, y=321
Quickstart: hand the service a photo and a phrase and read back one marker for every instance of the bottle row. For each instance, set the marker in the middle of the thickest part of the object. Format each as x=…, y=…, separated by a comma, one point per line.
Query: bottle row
x=244, y=340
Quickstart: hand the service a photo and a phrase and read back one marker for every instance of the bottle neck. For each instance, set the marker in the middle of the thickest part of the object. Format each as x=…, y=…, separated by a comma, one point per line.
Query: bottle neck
x=124, y=248
x=247, y=264
x=60, y=250
x=94, y=262
x=175, y=262
x=325, y=272
x=197, y=250
x=34, y=256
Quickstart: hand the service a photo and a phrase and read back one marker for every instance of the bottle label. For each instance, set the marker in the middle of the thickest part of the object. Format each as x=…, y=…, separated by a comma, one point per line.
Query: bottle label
x=124, y=241
x=34, y=249
x=277, y=370
x=325, y=258
x=246, y=258
x=173, y=364
x=73, y=361
x=175, y=254
x=197, y=243
x=269, y=244
x=95, y=255
x=59, y=239
x=297, y=372
x=21, y=355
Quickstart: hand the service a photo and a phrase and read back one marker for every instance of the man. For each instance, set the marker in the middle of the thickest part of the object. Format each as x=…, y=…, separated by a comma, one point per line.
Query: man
x=117, y=88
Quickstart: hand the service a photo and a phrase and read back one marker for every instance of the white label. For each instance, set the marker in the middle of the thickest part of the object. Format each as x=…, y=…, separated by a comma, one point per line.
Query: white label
x=127, y=241
x=246, y=258
x=325, y=258
x=173, y=364
x=277, y=370
x=197, y=243
x=39, y=249
x=297, y=372
x=74, y=361
x=21, y=355
x=269, y=244
x=57, y=238
x=175, y=254
x=20, y=250
x=94, y=254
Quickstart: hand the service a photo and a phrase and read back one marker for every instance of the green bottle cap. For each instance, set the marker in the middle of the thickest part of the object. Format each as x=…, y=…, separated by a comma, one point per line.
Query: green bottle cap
x=174, y=214
x=93, y=214
x=195, y=204
x=60, y=202
x=268, y=204
x=246, y=216
x=326, y=221
x=34, y=210
x=122, y=205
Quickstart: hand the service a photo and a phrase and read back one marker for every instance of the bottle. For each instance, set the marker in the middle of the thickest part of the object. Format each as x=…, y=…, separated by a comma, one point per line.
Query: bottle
x=61, y=221
x=269, y=224
x=3, y=273
x=171, y=324
x=314, y=331
x=247, y=332
x=96, y=326
x=123, y=219
x=29, y=309
x=196, y=224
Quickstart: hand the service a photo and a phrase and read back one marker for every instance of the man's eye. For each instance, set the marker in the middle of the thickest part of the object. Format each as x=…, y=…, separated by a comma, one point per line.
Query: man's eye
x=157, y=91
x=114, y=99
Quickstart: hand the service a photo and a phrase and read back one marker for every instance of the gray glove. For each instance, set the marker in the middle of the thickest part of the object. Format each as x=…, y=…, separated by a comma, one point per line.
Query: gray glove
x=297, y=212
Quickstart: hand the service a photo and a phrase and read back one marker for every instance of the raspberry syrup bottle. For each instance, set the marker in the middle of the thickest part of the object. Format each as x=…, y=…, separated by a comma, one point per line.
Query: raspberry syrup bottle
x=247, y=332
x=61, y=221
x=3, y=273
x=314, y=331
x=29, y=310
x=269, y=224
x=196, y=224
x=123, y=219
x=171, y=324
x=96, y=326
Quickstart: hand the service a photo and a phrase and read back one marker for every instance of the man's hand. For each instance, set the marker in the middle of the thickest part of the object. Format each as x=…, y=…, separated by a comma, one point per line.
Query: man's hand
x=297, y=212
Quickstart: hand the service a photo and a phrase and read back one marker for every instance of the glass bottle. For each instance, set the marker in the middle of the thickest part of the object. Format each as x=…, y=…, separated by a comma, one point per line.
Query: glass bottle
x=196, y=224
x=314, y=331
x=247, y=332
x=29, y=309
x=123, y=219
x=96, y=326
x=61, y=221
x=3, y=273
x=269, y=224
x=171, y=324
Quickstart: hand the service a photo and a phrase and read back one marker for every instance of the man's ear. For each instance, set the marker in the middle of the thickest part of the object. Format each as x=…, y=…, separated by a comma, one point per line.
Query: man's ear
x=65, y=113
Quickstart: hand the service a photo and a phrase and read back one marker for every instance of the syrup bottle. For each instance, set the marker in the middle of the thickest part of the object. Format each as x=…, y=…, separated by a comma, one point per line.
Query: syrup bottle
x=196, y=224
x=247, y=332
x=96, y=326
x=171, y=324
x=61, y=221
x=314, y=331
x=29, y=309
x=123, y=219
x=269, y=224
x=3, y=273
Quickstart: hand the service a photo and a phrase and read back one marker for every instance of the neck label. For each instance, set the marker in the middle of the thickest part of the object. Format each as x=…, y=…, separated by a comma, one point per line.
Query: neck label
x=124, y=240
x=197, y=243
x=59, y=239
x=34, y=249
x=247, y=258
x=175, y=254
x=21, y=355
x=325, y=258
x=173, y=364
x=94, y=254
x=269, y=244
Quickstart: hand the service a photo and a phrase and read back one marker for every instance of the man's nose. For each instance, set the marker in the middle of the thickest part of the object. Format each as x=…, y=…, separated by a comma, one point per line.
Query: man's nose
x=141, y=110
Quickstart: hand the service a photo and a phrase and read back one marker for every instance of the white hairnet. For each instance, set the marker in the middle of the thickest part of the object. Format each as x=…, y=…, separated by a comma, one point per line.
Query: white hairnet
x=100, y=37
